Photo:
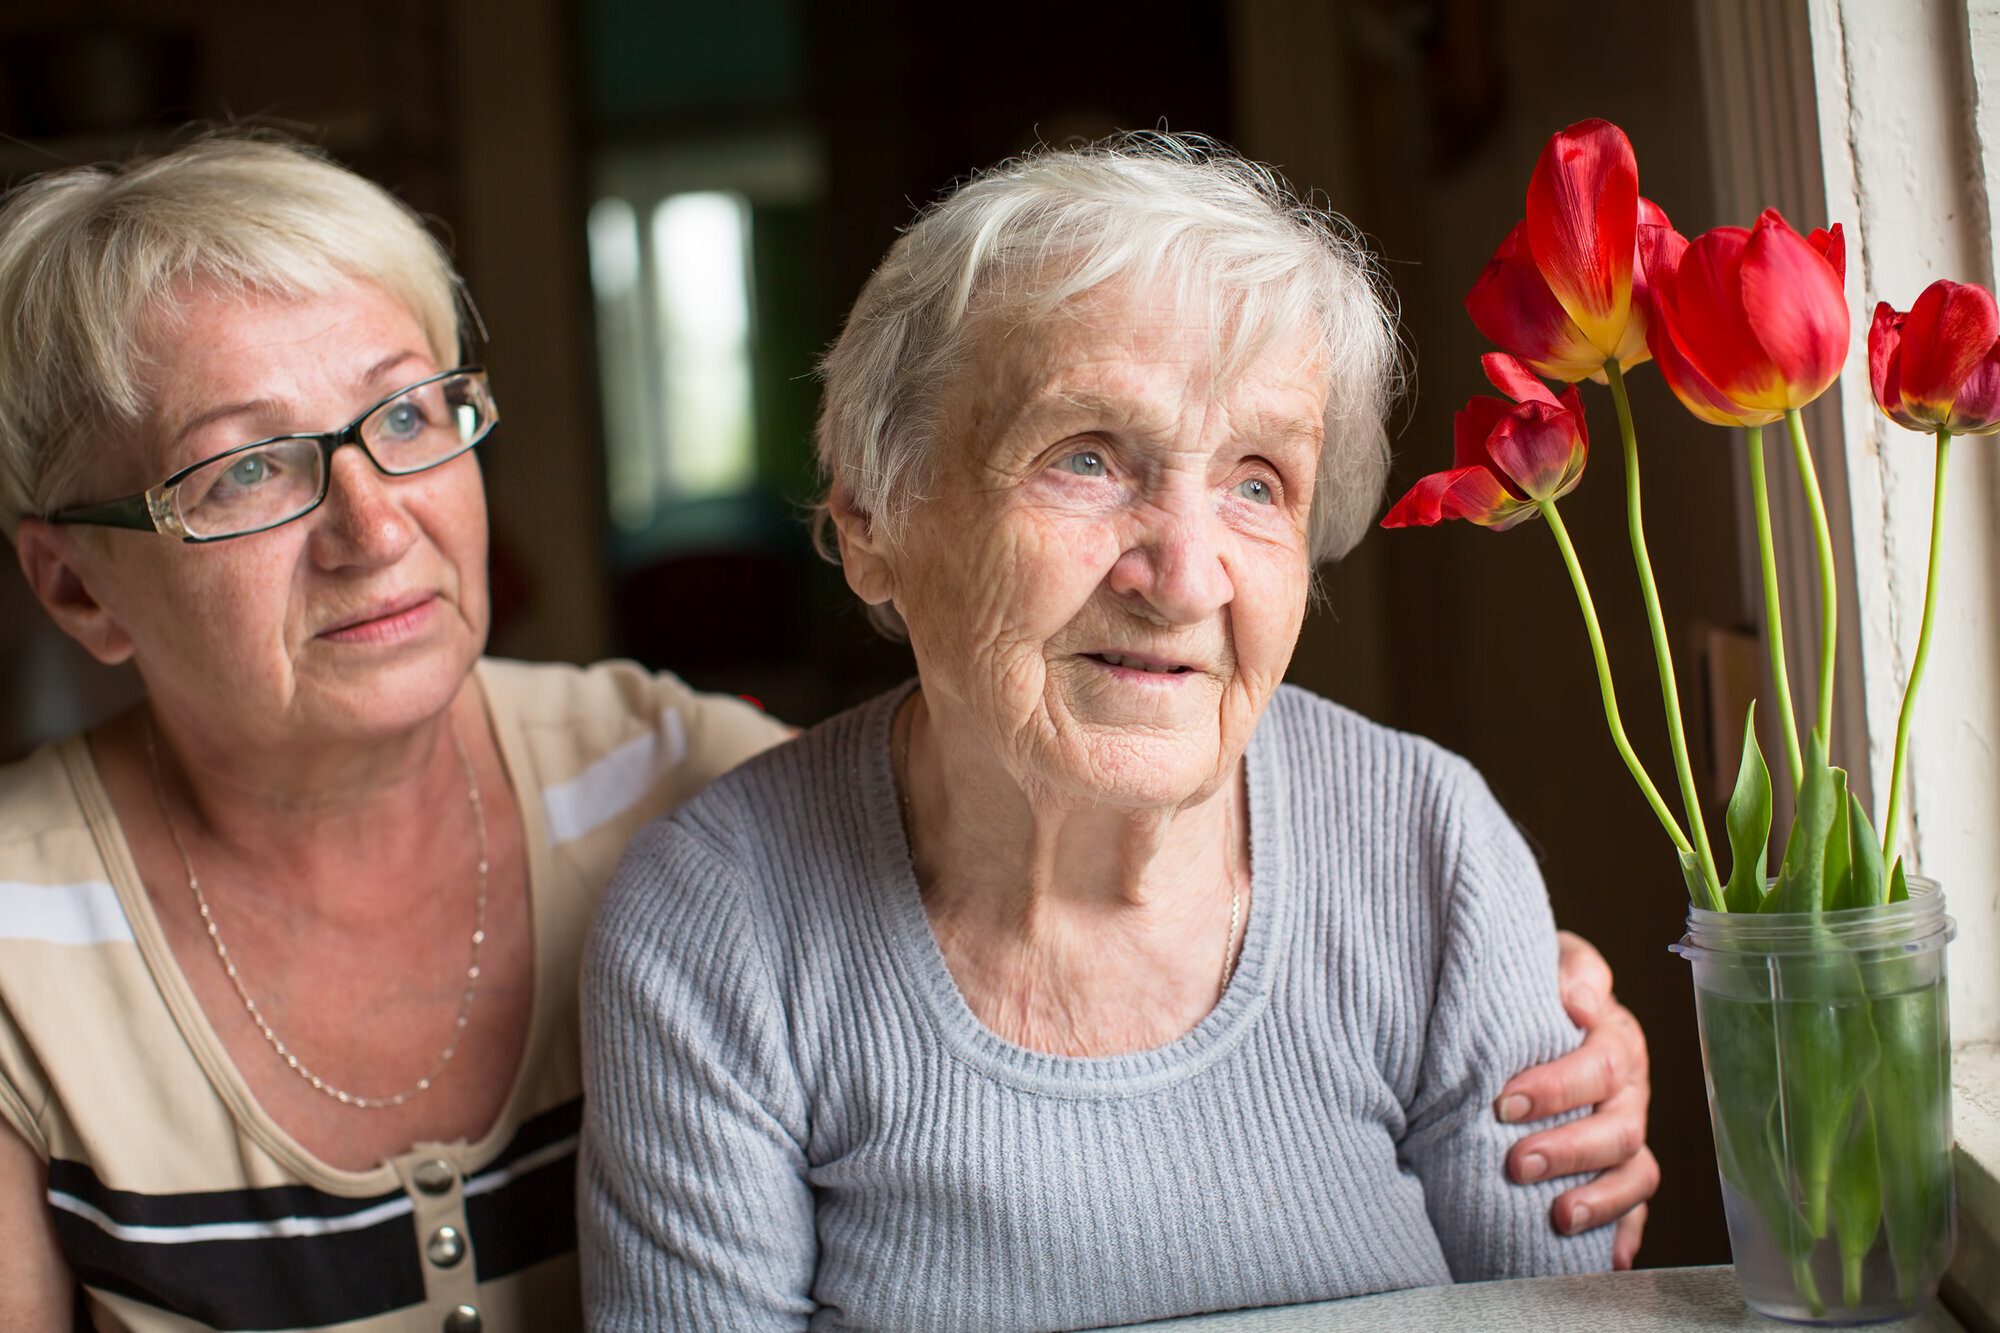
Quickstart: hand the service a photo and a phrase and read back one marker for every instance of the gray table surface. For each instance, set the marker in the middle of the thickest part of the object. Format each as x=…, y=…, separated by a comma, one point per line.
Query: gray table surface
x=1636, y=1302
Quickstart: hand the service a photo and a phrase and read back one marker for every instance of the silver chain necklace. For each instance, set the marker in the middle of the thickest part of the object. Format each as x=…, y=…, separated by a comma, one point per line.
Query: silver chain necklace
x=285, y=1053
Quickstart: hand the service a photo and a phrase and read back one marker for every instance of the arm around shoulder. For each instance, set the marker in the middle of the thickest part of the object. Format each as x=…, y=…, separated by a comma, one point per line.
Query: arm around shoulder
x=693, y=1206
x=1497, y=1008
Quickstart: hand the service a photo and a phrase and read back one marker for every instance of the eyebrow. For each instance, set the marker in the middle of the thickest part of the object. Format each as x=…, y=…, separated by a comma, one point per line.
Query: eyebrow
x=255, y=405
x=1054, y=403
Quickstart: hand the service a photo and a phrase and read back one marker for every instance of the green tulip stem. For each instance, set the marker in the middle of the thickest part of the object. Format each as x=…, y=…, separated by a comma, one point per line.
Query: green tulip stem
x=1604, y=685
x=1662, y=651
x=1767, y=555
x=1829, y=591
x=1889, y=824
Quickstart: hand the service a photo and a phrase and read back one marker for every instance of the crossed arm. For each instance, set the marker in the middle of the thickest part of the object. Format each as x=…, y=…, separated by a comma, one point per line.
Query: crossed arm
x=1608, y=1071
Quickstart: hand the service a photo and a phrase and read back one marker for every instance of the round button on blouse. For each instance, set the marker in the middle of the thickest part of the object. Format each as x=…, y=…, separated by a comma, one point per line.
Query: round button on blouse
x=445, y=1247
x=434, y=1176
x=464, y=1319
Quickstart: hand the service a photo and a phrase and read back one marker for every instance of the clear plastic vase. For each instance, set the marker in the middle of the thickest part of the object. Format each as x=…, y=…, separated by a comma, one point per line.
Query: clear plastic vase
x=1826, y=1042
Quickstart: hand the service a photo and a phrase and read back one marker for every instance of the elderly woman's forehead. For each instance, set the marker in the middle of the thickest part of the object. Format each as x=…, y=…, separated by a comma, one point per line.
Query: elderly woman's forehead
x=1103, y=344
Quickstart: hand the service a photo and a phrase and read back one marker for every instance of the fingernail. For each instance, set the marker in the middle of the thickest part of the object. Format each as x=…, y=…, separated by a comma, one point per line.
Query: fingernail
x=1533, y=1167
x=1513, y=1107
x=1579, y=1218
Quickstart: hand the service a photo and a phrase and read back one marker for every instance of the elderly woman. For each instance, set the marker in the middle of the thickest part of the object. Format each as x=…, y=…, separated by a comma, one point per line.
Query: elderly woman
x=288, y=1030
x=1094, y=977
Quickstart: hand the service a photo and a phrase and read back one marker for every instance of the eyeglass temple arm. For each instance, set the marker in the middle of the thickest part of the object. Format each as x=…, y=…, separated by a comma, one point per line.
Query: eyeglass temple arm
x=131, y=512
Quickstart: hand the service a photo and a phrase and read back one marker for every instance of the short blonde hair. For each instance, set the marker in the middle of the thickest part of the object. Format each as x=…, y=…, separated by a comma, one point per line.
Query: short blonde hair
x=1178, y=213
x=88, y=255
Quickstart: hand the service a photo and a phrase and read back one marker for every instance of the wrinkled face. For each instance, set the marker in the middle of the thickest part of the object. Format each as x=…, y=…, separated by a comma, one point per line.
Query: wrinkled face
x=1110, y=579
x=360, y=619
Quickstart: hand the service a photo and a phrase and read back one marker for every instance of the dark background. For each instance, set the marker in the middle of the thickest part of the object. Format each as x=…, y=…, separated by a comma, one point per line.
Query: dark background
x=1420, y=119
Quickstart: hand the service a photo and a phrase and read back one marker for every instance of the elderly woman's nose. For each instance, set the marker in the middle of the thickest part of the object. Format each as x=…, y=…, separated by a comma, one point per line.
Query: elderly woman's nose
x=368, y=525
x=1175, y=565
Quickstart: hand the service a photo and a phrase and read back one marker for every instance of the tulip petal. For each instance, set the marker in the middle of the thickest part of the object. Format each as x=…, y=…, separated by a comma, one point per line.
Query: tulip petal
x=1471, y=493
x=1512, y=305
x=1572, y=403
x=1510, y=377
x=1703, y=304
x=1948, y=331
x=1832, y=247
x=1477, y=495
x=1469, y=429
x=1419, y=508
x=1693, y=388
x=1538, y=447
x=1976, y=411
x=1885, y=347
x=1637, y=346
x=1792, y=298
x=1660, y=248
x=1583, y=207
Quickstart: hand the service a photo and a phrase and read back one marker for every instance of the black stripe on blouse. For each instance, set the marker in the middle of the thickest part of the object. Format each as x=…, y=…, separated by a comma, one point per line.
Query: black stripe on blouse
x=292, y=1256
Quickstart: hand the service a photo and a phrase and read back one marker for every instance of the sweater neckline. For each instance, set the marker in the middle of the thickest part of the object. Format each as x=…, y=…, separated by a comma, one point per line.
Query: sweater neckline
x=921, y=964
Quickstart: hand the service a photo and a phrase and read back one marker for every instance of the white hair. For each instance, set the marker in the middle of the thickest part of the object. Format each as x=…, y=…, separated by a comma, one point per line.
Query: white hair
x=90, y=256
x=1181, y=214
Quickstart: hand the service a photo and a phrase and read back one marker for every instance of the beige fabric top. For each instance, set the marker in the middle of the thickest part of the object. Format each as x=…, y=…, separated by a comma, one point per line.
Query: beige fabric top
x=180, y=1205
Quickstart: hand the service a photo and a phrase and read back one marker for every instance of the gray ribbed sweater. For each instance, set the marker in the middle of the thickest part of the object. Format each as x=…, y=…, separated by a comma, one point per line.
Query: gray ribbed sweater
x=795, y=1120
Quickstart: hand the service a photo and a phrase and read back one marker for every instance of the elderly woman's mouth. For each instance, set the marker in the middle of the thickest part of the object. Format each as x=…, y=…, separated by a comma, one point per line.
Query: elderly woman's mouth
x=1151, y=666
x=385, y=622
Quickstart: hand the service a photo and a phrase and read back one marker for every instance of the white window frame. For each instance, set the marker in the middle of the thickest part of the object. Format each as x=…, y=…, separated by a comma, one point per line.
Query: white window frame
x=1884, y=116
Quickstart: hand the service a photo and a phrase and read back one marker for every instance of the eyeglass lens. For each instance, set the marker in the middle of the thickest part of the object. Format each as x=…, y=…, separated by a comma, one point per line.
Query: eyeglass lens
x=276, y=481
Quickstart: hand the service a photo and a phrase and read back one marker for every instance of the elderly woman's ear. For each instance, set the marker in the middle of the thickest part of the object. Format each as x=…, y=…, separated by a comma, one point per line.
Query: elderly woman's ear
x=49, y=559
x=863, y=554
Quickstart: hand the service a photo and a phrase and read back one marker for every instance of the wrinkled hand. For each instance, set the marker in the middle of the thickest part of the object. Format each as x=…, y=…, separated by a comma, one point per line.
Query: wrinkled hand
x=1610, y=1072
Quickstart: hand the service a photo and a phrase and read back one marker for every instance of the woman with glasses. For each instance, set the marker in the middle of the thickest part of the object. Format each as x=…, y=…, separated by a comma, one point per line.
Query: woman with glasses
x=288, y=1028
x=288, y=952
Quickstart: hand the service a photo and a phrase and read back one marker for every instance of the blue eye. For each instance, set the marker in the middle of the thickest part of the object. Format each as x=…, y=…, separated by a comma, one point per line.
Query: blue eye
x=1086, y=464
x=249, y=470
x=1256, y=490
x=401, y=421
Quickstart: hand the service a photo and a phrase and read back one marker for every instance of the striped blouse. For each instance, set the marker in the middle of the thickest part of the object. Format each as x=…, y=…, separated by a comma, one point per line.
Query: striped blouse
x=178, y=1202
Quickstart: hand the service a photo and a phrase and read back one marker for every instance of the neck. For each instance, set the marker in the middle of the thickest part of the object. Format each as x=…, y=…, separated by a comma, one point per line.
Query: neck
x=1036, y=846
x=1071, y=926
x=291, y=814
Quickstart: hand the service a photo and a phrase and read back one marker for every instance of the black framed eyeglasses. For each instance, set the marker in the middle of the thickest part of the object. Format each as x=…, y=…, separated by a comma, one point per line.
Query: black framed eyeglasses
x=256, y=487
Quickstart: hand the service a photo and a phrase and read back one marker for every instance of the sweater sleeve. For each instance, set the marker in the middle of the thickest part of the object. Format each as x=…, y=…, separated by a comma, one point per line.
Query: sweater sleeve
x=693, y=1208
x=1496, y=1011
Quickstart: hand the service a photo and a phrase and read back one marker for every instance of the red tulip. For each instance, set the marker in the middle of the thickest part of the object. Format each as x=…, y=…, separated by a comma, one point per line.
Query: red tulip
x=1506, y=458
x=1661, y=248
x=1565, y=291
x=1757, y=315
x=1938, y=367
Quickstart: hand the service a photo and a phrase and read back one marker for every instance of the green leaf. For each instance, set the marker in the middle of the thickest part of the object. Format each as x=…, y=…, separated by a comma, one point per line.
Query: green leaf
x=1827, y=1046
x=1802, y=880
x=1838, y=876
x=1864, y=885
x=1899, y=887
x=1911, y=1094
x=1854, y=1196
x=1749, y=821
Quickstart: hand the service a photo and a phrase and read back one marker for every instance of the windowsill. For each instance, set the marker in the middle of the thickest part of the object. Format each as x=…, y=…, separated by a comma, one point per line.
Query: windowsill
x=1972, y=1286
